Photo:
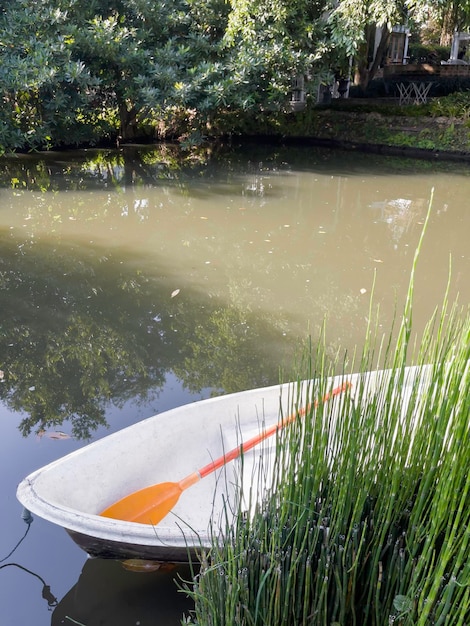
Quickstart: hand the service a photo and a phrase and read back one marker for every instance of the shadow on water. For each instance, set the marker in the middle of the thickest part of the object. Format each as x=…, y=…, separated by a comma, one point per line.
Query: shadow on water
x=166, y=164
x=108, y=595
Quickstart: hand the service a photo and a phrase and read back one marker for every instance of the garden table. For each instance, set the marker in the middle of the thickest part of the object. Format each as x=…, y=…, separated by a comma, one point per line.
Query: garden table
x=414, y=92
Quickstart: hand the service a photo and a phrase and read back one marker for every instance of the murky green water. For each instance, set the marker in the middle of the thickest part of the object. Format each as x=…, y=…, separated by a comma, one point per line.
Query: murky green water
x=129, y=286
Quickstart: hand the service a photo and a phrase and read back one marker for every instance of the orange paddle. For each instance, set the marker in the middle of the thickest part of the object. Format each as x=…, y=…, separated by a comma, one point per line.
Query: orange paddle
x=151, y=504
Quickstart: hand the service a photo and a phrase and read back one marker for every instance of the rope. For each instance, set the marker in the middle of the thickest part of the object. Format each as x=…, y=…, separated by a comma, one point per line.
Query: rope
x=46, y=590
x=28, y=519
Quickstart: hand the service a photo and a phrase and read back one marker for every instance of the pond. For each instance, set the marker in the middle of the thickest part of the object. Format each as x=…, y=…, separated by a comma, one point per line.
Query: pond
x=133, y=282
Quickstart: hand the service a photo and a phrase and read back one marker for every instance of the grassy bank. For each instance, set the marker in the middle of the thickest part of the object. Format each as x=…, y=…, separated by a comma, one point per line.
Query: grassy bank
x=440, y=127
x=367, y=521
x=435, y=134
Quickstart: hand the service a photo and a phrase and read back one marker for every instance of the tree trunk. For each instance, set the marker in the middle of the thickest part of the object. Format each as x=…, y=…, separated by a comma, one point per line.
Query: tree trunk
x=380, y=52
x=450, y=20
x=128, y=122
x=361, y=73
x=367, y=63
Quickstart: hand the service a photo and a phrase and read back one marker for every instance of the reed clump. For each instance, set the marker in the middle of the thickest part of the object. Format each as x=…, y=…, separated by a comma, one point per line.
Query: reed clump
x=365, y=519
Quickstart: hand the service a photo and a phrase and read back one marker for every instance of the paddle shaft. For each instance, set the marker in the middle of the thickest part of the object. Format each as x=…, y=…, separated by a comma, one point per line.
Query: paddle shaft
x=268, y=432
x=151, y=504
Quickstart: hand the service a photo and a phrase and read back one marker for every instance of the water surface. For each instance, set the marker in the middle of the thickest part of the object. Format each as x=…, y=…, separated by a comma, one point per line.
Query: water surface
x=132, y=283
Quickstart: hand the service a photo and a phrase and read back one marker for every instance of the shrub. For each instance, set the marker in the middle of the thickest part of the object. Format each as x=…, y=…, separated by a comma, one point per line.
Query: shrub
x=433, y=54
x=455, y=105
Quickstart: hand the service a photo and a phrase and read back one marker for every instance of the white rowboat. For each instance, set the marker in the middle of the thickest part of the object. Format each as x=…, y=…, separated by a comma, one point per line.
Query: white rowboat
x=72, y=491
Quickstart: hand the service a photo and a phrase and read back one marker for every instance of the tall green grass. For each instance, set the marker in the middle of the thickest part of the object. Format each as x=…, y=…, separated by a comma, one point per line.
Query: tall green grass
x=367, y=519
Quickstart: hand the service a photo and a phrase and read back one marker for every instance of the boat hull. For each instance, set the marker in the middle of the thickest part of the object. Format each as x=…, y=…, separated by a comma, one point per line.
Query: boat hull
x=114, y=549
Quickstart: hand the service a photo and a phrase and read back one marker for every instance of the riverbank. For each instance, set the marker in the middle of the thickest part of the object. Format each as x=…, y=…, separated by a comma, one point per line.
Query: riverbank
x=439, y=130
x=423, y=137
x=368, y=127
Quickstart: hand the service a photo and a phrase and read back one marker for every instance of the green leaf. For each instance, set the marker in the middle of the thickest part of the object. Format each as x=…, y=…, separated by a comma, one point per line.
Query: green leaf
x=402, y=604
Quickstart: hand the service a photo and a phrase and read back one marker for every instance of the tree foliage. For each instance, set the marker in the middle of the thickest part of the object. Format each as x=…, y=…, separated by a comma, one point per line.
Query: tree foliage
x=46, y=92
x=452, y=15
x=353, y=28
x=82, y=72
x=74, y=71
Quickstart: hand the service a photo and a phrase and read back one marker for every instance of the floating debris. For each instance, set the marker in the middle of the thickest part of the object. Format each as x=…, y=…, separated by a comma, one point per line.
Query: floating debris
x=142, y=565
x=53, y=434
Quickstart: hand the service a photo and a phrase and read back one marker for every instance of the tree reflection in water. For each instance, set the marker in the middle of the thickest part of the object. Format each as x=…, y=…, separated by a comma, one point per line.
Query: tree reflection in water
x=80, y=329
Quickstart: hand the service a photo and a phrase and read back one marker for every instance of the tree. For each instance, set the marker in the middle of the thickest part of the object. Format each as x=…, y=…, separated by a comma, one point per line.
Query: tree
x=354, y=23
x=46, y=93
x=452, y=15
x=353, y=27
x=88, y=71
x=269, y=44
x=76, y=72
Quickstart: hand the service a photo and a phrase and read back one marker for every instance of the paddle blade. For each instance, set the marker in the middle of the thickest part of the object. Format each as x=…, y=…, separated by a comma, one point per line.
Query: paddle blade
x=147, y=506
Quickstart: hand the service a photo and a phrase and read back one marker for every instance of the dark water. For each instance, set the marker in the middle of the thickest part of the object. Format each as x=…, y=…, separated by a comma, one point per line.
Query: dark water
x=132, y=283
